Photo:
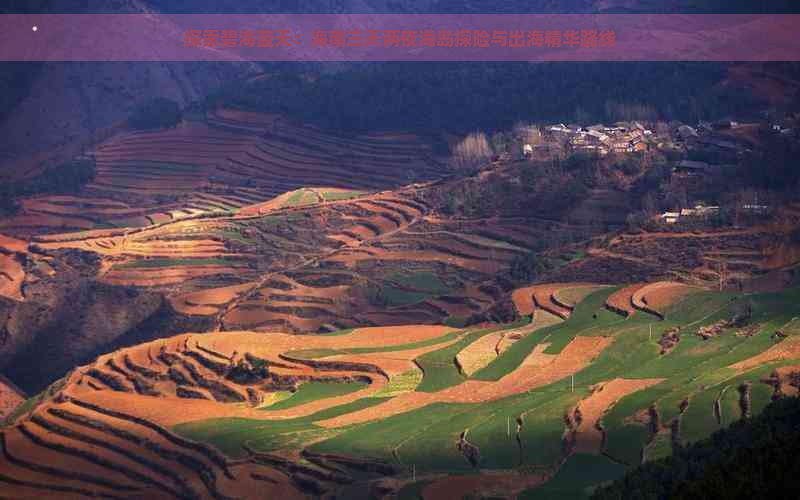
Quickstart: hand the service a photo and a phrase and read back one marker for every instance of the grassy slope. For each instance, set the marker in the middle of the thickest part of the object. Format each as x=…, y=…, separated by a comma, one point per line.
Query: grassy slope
x=580, y=322
x=313, y=391
x=439, y=367
x=229, y=434
x=577, y=475
x=696, y=368
x=340, y=195
x=165, y=262
x=413, y=288
x=324, y=352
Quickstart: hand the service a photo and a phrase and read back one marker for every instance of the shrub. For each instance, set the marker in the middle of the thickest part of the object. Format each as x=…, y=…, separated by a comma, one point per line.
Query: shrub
x=457, y=321
x=8, y=205
x=636, y=220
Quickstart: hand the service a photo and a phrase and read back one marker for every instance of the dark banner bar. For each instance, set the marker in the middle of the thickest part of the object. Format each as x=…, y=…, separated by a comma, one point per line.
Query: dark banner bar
x=366, y=37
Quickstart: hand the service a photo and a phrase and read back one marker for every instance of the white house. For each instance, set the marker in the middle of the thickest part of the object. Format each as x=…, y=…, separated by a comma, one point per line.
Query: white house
x=670, y=217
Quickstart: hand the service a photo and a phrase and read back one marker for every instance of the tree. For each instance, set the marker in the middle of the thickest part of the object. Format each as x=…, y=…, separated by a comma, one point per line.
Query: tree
x=650, y=204
x=472, y=152
x=742, y=313
x=636, y=220
x=526, y=268
x=528, y=134
x=753, y=458
x=501, y=142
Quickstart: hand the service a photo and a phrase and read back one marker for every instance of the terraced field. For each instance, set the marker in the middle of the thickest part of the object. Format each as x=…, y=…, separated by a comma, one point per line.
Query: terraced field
x=344, y=259
x=732, y=255
x=12, y=269
x=323, y=286
x=393, y=408
x=263, y=225
x=221, y=163
x=10, y=397
x=256, y=223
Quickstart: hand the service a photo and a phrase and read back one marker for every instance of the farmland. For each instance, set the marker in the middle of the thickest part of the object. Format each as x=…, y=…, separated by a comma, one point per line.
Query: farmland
x=249, y=221
x=328, y=413
x=257, y=305
x=344, y=259
x=219, y=163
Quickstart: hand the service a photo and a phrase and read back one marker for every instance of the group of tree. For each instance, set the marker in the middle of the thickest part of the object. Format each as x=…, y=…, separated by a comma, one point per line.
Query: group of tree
x=773, y=165
x=526, y=268
x=67, y=178
x=471, y=153
x=461, y=97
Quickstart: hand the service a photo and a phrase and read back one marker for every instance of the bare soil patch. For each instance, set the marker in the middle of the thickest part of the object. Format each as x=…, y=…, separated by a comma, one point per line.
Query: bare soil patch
x=592, y=409
x=528, y=299
x=10, y=397
x=208, y=302
x=786, y=350
x=12, y=276
x=621, y=301
x=13, y=244
x=659, y=296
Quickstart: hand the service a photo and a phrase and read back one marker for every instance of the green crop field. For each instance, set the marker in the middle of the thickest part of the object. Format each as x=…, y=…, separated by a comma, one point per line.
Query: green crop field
x=340, y=195
x=406, y=289
x=312, y=391
x=163, y=262
x=425, y=438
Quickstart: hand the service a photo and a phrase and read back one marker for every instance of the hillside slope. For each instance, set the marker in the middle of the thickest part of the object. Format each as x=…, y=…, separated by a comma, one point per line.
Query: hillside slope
x=388, y=408
x=741, y=460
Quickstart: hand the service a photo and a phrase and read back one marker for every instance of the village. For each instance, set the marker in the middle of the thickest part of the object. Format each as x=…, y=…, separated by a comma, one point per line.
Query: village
x=723, y=138
x=693, y=153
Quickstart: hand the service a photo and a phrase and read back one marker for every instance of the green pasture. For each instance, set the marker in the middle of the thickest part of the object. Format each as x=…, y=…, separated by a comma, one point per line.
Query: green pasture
x=426, y=437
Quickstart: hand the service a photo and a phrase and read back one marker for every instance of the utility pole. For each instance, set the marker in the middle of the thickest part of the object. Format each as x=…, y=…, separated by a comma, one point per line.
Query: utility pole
x=508, y=426
x=572, y=384
x=651, y=332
